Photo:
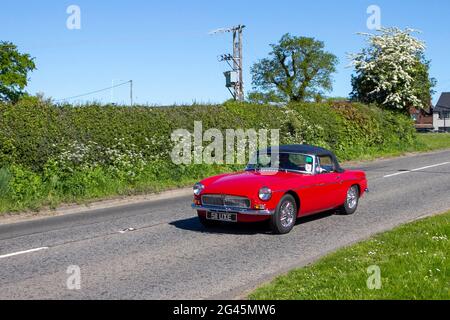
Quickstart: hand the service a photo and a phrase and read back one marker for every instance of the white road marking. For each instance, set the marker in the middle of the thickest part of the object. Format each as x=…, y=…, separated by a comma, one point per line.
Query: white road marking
x=127, y=230
x=22, y=252
x=415, y=170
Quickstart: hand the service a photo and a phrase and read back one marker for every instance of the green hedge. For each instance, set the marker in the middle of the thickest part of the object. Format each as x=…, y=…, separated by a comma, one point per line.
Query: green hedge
x=50, y=154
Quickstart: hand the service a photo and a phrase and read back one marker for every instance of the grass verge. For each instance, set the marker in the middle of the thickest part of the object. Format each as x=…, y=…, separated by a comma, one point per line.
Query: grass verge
x=433, y=141
x=98, y=185
x=426, y=142
x=413, y=261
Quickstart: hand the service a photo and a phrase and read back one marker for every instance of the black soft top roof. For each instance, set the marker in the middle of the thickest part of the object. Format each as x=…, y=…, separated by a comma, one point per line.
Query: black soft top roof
x=309, y=150
x=302, y=148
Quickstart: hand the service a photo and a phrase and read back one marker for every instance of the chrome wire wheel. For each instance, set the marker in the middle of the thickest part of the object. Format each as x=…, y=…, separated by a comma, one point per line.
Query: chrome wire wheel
x=352, y=197
x=287, y=215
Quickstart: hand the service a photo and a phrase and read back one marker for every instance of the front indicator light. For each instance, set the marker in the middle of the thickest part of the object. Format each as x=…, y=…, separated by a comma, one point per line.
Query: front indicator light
x=260, y=206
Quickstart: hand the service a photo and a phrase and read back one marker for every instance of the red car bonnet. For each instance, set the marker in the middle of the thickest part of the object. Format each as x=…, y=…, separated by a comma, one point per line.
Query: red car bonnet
x=247, y=183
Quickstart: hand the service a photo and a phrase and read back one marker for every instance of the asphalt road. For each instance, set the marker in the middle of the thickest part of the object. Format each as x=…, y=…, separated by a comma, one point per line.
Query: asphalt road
x=171, y=256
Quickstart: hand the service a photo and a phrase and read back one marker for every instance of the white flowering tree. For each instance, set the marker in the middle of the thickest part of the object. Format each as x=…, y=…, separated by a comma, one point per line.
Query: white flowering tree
x=392, y=71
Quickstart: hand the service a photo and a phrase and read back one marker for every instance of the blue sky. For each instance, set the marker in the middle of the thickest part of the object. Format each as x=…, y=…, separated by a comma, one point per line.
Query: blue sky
x=165, y=48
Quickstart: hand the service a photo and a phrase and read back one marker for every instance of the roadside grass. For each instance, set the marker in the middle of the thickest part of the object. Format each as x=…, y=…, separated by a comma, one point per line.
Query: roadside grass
x=106, y=187
x=92, y=186
x=433, y=141
x=426, y=142
x=414, y=264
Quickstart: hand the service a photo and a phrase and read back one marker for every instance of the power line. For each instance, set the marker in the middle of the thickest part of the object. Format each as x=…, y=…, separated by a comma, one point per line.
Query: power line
x=94, y=92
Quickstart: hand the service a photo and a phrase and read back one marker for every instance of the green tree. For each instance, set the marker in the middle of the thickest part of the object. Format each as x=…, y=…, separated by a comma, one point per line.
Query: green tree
x=265, y=97
x=14, y=69
x=392, y=71
x=297, y=69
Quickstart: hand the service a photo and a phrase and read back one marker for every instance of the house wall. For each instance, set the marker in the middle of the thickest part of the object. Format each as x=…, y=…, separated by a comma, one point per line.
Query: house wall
x=439, y=124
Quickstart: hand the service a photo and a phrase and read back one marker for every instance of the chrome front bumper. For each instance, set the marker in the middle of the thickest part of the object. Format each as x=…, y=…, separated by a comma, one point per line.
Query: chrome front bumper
x=251, y=212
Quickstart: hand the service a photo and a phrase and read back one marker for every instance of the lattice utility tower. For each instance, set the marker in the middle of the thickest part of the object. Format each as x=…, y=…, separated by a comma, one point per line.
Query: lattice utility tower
x=234, y=77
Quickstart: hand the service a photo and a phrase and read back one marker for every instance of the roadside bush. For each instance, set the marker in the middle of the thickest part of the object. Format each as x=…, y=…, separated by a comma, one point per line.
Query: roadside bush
x=5, y=178
x=25, y=186
x=50, y=154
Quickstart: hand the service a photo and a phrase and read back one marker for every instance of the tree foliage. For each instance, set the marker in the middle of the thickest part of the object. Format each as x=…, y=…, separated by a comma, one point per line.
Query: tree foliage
x=392, y=71
x=298, y=69
x=14, y=69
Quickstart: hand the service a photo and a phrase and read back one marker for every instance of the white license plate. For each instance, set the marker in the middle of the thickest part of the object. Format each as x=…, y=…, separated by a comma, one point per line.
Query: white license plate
x=222, y=216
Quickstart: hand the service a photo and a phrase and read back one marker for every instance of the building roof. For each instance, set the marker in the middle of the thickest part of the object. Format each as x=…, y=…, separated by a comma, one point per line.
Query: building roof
x=443, y=103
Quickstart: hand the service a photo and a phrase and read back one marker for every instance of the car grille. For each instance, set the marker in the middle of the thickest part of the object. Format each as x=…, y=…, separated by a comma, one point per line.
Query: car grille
x=226, y=201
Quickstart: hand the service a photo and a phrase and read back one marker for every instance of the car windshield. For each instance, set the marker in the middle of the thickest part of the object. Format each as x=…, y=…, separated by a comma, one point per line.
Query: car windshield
x=285, y=161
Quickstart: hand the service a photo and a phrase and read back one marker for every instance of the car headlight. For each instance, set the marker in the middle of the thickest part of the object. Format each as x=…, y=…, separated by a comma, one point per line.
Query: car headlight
x=265, y=194
x=198, y=188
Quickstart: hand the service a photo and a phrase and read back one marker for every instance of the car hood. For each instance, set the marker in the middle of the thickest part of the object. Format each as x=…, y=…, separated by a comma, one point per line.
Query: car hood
x=244, y=183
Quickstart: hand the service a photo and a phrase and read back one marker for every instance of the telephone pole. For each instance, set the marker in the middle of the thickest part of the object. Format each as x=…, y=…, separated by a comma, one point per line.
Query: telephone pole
x=234, y=77
x=131, y=93
x=113, y=85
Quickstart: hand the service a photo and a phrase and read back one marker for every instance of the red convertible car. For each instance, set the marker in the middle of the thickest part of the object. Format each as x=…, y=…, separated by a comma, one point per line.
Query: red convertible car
x=279, y=185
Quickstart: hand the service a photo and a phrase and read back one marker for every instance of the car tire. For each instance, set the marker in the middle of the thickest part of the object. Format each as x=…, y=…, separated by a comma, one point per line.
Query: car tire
x=351, y=201
x=285, y=217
